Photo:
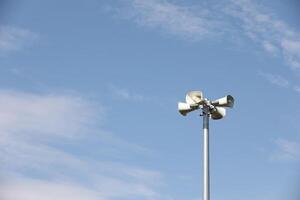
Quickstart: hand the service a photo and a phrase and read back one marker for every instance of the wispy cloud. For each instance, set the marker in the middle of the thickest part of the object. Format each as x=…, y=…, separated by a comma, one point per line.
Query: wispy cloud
x=125, y=94
x=44, y=114
x=279, y=81
x=297, y=88
x=194, y=23
x=131, y=96
x=39, y=137
x=286, y=150
x=13, y=38
x=33, y=189
x=275, y=79
x=274, y=35
x=230, y=19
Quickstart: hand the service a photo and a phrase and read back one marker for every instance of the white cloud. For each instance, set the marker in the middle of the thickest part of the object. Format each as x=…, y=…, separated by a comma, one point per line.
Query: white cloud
x=193, y=23
x=297, y=88
x=287, y=150
x=28, y=122
x=33, y=189
x=291, y=51
x=125, y=94
x=37, y=132
x=13, y=38
x=275, y=79
x=274, y=35
x=229, y=18
x=269, y=47
x=26, y=113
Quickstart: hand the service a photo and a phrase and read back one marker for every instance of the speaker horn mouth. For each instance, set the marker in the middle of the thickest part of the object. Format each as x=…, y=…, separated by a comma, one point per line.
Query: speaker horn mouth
x=194, y=97
x=185, y=108
x=227, y=101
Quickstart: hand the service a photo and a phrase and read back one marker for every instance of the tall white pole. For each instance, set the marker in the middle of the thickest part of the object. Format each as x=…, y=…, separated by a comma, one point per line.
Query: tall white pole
x=206, y=153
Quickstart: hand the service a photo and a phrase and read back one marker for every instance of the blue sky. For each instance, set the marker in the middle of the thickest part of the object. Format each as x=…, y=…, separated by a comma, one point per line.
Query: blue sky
x=89, y=92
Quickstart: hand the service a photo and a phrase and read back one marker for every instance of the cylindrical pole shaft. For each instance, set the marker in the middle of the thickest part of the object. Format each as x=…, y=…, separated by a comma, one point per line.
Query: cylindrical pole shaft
x=206, y=154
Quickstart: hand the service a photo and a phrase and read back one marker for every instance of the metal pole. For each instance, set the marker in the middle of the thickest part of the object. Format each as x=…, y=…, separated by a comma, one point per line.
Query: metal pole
x=206, y=153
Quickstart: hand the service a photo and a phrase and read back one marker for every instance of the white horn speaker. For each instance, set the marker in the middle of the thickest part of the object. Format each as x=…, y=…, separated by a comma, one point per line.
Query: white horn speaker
x=227, y=101
x=185, y=108
x=219, y=113
x=194, y=97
